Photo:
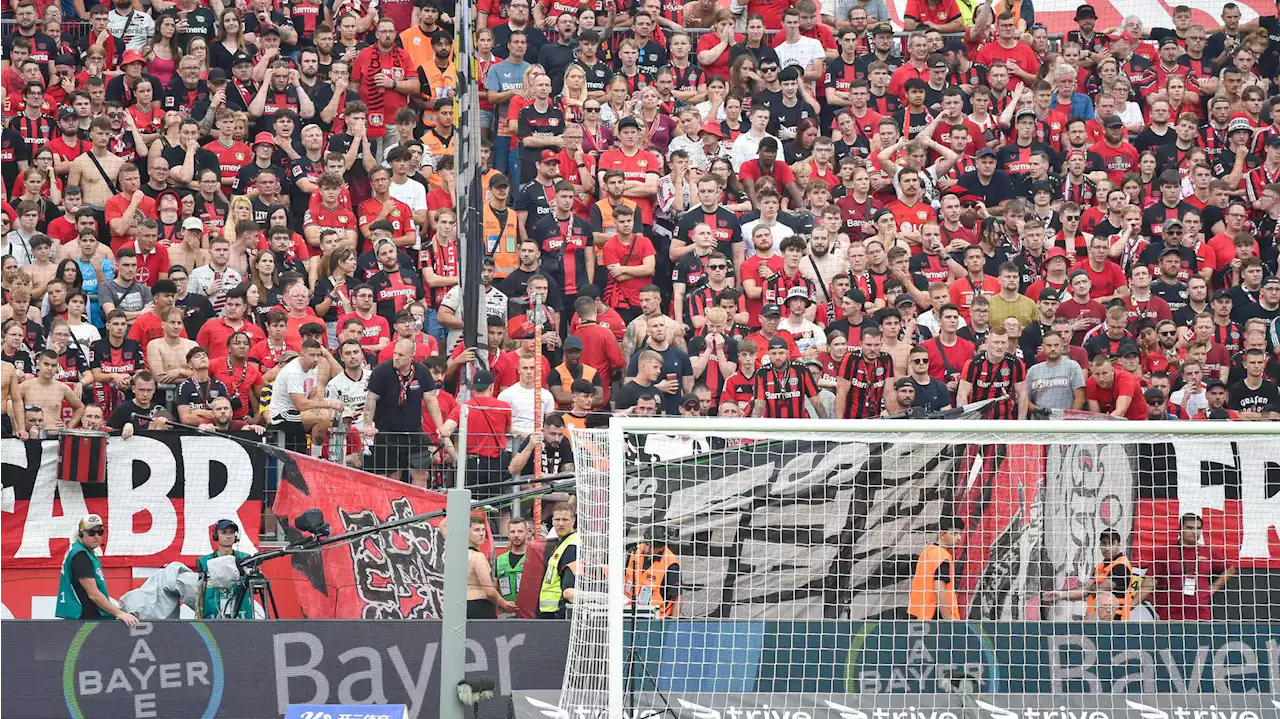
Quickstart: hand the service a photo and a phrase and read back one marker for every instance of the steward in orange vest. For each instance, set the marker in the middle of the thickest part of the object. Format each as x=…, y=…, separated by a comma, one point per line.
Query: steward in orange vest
x=933, y=587
x=653, y=575
x=1110, y=593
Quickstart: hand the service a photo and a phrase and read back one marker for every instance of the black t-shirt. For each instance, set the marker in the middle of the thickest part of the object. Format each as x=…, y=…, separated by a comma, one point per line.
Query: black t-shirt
x=131, y=412
x=1148, y=140
x=196, y=310
x=13, y=149
x=999, y=189
x=201, y=22
x=399, y=406
x=200, y=395
x=932, y=396
x=1266, y=398
x=533, y=122
x=555, y=457
x=204, y=159
x=632, y=391
x=82, y=568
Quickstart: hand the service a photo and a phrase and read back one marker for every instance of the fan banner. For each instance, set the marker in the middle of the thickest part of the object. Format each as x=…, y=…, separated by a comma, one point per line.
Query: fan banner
x=805, y=530
x=392, y=574
x=163, y=493
x=1059, y=15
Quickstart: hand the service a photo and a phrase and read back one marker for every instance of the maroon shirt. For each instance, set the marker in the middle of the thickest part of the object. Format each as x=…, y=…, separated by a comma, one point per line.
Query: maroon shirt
x=1184, y=576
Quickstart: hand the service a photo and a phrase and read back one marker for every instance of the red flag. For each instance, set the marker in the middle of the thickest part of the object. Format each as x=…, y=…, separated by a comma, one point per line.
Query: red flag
x=392, y=574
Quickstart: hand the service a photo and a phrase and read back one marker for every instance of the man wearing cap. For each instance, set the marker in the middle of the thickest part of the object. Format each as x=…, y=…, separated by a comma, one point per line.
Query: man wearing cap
x=215, y=603
x=653, y=575
x=536, y=198
x=120, y=88
x=1119, y=158
x=784, y=388
x=985, y=183
x=82, y=590
x=246, y=181
x=1230, y=163
x=1091, y=43
x=1216, y=397
x=67, y=143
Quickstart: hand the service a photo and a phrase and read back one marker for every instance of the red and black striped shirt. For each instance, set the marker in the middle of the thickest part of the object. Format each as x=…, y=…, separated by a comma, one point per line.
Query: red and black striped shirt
x=36, y=133
x=867, y=379
x=784, y=391
x=992, y=379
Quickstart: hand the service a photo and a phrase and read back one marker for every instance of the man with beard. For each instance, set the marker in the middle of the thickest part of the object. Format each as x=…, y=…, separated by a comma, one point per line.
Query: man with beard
x=241, y=89
x=387, y=77
x=187, y=90
x=188, y=159
x=394, y=285
x=279, y=92
x=1057, y=382
x=42, y=47
x=510, y=564
x=242, y=380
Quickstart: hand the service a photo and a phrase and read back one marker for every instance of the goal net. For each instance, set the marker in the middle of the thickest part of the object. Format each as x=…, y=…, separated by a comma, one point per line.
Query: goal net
x=1124, y=568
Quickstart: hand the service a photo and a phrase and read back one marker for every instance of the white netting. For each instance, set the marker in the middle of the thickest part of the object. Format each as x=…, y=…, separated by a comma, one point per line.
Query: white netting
x=798, y=552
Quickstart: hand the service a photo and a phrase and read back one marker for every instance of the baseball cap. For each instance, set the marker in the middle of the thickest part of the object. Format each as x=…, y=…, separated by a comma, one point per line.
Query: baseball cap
x=626, y=122
x=499, y=180
x=130, y=56
x=65, y=112
x=1170, y=250
x=573, y=342
x=1112, y=120
x=1128, y=348
x=1173, y=223
x=1051, y=294
x=800, y=292
x=883, y=28
x=1042, y=186
x=770, y=310
x=241, y=57
x=1153, y=396
x=193, y=223
x=263, y=138
x=215, y=76
x=903, y=300
x=520, y=328
x=777, y=343
x=1272, y=280
x=65, y=58
x=1169, y=40
x=1239, y=122
x=483, y=380
x=1273, y=141
x=690, y=400
x=1123, y=35
x=1025, y=113
x=91, y=520
x=1211, y=384
x=936, y=61
x=225, y=524
x=269, y=30
x=549, y=156
x=657, y=534
x=984, y=152
x=1223, y=295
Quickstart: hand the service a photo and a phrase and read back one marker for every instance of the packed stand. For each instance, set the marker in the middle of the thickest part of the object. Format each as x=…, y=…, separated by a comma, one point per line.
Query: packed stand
x=242, y=218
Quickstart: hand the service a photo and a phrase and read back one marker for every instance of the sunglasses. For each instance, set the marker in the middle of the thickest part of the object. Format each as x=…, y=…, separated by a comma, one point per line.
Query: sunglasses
x=1169, y=334
x=717, y=267
x=95, y=532
x=920, y=361
x=768, y=69
x=591, y=109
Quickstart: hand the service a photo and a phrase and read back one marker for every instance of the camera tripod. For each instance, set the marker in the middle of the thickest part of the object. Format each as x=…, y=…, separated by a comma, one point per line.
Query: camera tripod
x=254, y=584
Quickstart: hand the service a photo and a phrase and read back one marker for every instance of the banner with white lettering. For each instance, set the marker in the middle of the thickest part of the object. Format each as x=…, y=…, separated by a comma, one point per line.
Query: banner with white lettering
x=163, y=493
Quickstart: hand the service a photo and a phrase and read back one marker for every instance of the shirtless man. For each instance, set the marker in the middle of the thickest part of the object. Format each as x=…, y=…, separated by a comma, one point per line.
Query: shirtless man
x=96, y=188
x=167, y=354
x=11, y=401
x=49, y=394
x=898, y=350
x=188, y=253
x=42, y=269
x=483, y=599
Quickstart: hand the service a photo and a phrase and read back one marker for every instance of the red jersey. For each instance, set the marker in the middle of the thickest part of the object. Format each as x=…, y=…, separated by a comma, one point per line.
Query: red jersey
x=1124, y=385
x=1116, y=161
x=230, y=159
x=909, y=218
x=372, y=329
x=339, y=219
x=636, y=167
x=239, y=381
x=396, y=64
x=1105, y=281
x=266, y=356
x=115, y=208
x=215, y=333
x=400, y=215
x=626, y=293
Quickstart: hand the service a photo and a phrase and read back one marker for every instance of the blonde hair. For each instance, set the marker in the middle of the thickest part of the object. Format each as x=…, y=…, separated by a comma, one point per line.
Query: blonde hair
x=582, y=94
x=229, y=229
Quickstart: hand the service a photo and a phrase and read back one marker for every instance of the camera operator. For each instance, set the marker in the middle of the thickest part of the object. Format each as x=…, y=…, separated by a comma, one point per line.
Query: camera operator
x=82, y=590
x=226, y=533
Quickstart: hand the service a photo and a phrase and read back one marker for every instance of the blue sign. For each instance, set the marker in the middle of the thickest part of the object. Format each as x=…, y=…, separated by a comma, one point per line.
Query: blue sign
x=346, y=711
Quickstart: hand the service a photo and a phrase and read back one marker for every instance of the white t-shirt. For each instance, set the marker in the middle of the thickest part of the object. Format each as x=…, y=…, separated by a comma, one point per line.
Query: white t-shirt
x=291, y=378
x=521, y=401
x=135, y=32
x=411, y=193
x=352, y=392
x=806, y=335
x=204, y=280
x=495, y=303
x=802, y=52
x=779, y=231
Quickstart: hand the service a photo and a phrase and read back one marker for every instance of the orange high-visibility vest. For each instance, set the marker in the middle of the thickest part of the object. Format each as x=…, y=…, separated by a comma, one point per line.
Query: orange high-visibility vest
x=501, y=240
x=923, y=604
x=1102, y=573
x=645, y=585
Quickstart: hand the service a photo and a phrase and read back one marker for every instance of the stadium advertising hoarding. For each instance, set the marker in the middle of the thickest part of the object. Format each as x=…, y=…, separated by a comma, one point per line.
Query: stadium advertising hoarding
x=152, y=517
x=822, y=530
x=255, y=670
x=1057, y=15
x=544, y=705
x=972, y=657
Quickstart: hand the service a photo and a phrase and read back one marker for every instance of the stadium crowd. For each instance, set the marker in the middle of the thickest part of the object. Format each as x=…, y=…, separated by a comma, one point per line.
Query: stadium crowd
x=769, y=209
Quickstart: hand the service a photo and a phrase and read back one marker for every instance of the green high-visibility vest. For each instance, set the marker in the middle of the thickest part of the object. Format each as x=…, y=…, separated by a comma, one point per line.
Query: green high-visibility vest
x=69, y=606
x=509, y=575
x=551, y=594
x=215, y=599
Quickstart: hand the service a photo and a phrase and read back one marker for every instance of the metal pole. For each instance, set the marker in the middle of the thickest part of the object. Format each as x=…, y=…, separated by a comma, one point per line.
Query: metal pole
x=453, y=639
x=460, y=471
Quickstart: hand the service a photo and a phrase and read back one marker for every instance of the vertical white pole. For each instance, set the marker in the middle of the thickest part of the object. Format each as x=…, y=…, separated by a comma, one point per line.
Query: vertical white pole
x=460, y=471
x=615, y=560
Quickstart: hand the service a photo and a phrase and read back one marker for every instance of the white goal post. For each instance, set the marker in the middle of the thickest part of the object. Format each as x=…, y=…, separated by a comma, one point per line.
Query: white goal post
x=798, y=542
